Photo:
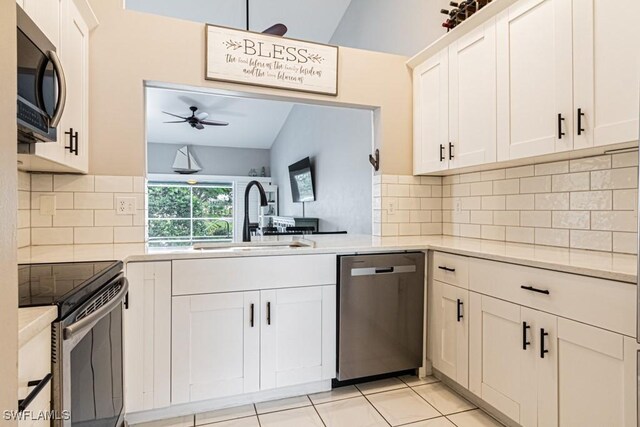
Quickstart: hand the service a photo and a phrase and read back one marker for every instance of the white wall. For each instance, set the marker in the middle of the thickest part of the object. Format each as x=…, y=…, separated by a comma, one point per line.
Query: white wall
x=339, y=141
x=8, y=212
x=401, y=27
x=227, y=161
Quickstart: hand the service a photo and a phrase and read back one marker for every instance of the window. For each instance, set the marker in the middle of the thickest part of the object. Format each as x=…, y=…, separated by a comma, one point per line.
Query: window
x=181, y=214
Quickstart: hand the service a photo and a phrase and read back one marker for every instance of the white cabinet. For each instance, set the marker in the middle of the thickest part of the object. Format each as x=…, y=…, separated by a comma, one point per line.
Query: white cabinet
x=495, y=356
x=534, y=72
x=228, y=344
x=215, y=346
x=65, y=25
x=34, y=365
x=472, y=98
x=147, y=336
x=74, y=55
x=606, y=55
x=450, y=330
x=597, y=377
x=431, y=114
x=297, y=336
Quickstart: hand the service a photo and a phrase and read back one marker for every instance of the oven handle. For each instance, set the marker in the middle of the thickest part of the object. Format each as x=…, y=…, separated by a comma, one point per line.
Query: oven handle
x=75, y=328
x=62, y=88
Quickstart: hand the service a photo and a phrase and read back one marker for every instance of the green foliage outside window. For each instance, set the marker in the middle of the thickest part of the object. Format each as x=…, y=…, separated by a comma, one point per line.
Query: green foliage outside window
x=181, y=214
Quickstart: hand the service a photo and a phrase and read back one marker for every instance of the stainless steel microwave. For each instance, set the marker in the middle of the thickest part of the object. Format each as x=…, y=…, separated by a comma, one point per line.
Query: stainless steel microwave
x=41, y=84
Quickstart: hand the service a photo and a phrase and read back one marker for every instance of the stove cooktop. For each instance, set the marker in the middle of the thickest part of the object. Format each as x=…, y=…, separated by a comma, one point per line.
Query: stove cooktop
x=66, y=285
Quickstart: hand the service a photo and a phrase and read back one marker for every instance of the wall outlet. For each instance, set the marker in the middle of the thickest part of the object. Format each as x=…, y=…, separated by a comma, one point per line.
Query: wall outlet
x=391, y=207
x=125, y=205
x=458, y=205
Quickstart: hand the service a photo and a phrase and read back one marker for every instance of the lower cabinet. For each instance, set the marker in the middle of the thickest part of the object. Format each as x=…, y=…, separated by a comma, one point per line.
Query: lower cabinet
x=544, y=370
x=233, y=343
x=451, y=330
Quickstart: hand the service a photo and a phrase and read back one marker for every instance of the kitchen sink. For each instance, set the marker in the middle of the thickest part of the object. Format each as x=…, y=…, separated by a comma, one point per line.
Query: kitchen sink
x=254, y=246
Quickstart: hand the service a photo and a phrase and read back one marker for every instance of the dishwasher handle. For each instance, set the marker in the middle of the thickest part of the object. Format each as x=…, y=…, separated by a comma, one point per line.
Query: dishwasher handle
x=372, y=271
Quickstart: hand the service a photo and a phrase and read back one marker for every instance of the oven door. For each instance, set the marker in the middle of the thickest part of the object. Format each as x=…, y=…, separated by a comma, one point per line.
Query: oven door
x=91, y=378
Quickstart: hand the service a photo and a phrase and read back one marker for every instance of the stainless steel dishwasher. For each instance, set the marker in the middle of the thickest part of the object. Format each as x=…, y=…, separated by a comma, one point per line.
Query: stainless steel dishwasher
x=380, y=314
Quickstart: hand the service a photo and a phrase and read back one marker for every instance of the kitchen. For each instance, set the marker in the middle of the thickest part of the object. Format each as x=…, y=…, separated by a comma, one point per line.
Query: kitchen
x=530, y=176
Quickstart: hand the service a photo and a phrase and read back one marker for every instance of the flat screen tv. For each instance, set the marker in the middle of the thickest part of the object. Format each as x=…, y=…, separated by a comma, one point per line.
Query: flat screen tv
x=301, y=181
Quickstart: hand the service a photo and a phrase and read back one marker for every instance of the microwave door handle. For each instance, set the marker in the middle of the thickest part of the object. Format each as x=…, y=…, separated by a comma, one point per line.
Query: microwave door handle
x=77, y=327
x=62, y=89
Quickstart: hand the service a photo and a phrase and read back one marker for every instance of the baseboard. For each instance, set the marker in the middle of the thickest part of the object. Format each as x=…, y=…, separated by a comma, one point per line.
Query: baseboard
x=227, y=402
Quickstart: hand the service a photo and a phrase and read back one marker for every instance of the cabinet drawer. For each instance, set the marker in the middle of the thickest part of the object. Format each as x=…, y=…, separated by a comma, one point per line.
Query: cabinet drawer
x=603, y=303
x=451, y=269
x=204, y=276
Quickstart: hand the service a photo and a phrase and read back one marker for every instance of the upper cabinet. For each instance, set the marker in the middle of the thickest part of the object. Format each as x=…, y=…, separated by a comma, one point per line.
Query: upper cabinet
x=67, y=24
x=534, y=79
x=528, y=78
x=606, y=58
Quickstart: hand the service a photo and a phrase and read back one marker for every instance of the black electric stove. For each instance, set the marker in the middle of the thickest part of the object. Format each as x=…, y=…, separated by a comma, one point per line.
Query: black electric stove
x=66, y=285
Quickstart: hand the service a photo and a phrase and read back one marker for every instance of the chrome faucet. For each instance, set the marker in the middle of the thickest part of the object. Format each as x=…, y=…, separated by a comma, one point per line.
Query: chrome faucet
x=246, y=235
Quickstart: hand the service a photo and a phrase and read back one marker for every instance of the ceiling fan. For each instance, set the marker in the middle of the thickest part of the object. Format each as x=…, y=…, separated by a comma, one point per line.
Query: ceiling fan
x=275, y=30
x=198, y=121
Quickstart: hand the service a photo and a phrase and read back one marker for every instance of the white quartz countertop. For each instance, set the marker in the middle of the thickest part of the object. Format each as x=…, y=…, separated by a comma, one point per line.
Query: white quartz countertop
x=604, y=265
x=32, y=320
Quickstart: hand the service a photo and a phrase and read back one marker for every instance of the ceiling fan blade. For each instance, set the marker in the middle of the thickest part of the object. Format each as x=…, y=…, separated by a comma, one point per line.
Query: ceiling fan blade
x=202, y=115
x=175, y=115
x=276, y=30
x=176, y=121
x=214, y=123
x=199, y=126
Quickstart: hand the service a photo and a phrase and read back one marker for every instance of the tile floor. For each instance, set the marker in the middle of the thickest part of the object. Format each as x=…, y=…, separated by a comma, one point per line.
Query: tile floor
x=410, y=401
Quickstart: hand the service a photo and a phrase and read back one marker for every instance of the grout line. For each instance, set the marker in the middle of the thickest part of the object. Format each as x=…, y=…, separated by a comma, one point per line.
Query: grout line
x=376, y=409
x=316, y=409
x=429, y=403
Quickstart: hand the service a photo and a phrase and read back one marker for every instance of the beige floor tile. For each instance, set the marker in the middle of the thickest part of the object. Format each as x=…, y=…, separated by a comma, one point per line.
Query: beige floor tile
x=380, y=385
x=225, y=414
x=185, y=421
x=434, y=422
x=413, y=381
x=402, y=406
x=282, y=404
x=443, y=398
x=335, y=394
x=301, y=417
x=239, y=422
x=475, y=418
x=355, y=412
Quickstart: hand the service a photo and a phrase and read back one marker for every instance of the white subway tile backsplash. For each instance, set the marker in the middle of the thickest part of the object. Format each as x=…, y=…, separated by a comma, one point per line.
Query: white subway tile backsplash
x=470, y=177
x=623, y=160
x=86, y=235
x=73, y=218
x=63, y=200
x=481, y=217
x=420, y=216
x=451, y=179
x=483, y=188
x=388, y=229
x=625, y=242
x=460, y=190
x=24, y=181
x=73, y=183
x=590, y=164
x=41, y=182
x=39, y=220
x=431, y=180
x=389, y=179
x=408, y=179
x=520, y=202
x=520, y=234
x=535, y=184
x=493, y=175
x=128, y=234
x=436, y=191
x=591, y=200
x=507, y=186
x=552, y=201
x=493, y=203
x=614, y=220
x=408, y=203
x=578, y=181
x=493, y=232
x=24, y=199
x=399, y=216
x=552, y=168
x=470, y=230
x=470, y=203
x=614, y=179
x=520, y=172
x=506, y=218
x=431, y=203
x=398, y=190
x=571, y=219
x=551, y=237
x=24, y=237
x=420, y=191
x=430, y=229
x=93, y=201
x=535, y=218
x=625, y=200
x=52, y=236
x=409, y=229
x=593, y=240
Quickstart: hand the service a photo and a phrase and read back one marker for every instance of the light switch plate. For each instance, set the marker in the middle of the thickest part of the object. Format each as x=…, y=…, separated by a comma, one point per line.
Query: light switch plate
x=391, y=207
x=125, y=205
x=48, y=204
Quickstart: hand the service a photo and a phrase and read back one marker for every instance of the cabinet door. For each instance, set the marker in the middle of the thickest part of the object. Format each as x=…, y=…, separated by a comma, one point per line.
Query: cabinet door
x=597, y=377
x=74, y=55
x=215, y=348
x=298, y=336
x=451, y=332
x=472, y=98
x=147, y=336
x=534, y=73
x=606, y=51
x=46, y=15
x=495, y=353
x=431, y=115
x=539, y=397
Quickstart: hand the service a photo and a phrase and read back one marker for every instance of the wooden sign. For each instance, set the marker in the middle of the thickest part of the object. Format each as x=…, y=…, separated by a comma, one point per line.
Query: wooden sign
x=264, y=60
